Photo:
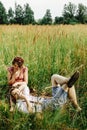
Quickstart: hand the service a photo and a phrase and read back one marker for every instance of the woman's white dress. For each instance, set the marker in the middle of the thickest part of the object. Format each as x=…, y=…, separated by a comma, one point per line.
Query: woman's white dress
x=22, y=106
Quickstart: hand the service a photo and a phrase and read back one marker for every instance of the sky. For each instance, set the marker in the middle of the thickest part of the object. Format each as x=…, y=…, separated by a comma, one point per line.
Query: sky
x=40, y=6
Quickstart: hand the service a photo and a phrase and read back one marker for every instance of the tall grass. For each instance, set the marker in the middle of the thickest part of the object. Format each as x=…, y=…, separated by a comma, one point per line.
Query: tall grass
x=47, y=50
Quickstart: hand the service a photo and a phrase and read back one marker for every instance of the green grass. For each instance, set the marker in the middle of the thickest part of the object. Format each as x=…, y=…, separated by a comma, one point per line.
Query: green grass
x=46, y=50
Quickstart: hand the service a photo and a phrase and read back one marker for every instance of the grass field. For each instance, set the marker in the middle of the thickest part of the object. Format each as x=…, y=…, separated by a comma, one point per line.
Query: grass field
x=47, y=50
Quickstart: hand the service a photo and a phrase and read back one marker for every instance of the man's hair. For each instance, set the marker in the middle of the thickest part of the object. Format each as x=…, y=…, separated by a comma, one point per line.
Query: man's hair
x=19, y=61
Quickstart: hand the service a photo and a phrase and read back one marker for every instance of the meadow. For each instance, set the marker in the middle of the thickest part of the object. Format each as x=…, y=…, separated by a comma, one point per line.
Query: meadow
x=46, y=50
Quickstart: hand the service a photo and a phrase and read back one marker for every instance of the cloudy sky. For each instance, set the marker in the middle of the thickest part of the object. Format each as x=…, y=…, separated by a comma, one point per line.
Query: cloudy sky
x=39, y=6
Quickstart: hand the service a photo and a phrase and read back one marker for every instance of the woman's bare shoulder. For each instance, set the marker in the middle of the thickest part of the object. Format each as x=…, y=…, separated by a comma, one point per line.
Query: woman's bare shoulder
x=10, y=69
x=25, y=68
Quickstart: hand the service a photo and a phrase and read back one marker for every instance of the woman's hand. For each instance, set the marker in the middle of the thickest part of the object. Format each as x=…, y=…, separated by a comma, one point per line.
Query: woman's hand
x=16, y=74
x=18, y=84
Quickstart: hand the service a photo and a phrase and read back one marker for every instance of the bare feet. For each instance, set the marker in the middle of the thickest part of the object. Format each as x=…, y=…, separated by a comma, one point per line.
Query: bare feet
x=78, y=109
x=30, y=109
x=11, y=109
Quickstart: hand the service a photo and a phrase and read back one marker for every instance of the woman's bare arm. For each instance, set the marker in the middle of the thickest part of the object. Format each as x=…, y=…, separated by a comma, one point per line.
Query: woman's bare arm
x=11, y=79
x=26, y=75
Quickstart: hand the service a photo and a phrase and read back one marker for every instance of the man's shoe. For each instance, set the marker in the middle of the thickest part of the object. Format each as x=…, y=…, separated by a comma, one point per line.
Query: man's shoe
x=73, y=79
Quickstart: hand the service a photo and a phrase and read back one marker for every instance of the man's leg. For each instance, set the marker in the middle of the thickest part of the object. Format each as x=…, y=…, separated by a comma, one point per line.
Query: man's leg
x=73, y=97
x=68, y=86
x=58, y=79
x=71, y=90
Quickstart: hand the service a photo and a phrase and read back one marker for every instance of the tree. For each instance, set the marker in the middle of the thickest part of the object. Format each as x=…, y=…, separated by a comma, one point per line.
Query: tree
x=81, y=13
x=28, y=15
x=3, y=15
x=69, y=13
x=58, y=20
x=11, y=16
x=47, y=19
x=19, y=14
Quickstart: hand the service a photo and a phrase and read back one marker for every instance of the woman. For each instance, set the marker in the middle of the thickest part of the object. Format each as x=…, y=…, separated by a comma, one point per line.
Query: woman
x=17, y=81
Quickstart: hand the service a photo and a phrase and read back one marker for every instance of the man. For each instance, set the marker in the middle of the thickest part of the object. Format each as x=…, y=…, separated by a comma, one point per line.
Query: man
x=61, y=88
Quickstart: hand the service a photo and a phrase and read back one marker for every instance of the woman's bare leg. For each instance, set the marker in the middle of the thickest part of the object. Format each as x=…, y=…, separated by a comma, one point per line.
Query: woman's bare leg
x=27, y=102
x=19, y=95
x=11, y=104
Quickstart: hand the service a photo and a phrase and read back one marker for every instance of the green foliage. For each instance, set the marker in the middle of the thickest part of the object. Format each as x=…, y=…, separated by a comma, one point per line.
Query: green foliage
x=18, y=14
x=69, y=13
x=47, y=19
x=82, y=13
x=69, y=10
x=10, y=16
x=25, y=15
x=3, y=15
x=28, y=15
x=59, y=20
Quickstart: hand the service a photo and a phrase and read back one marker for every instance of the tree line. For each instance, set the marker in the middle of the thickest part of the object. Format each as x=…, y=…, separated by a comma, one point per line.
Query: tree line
x=25, y=15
